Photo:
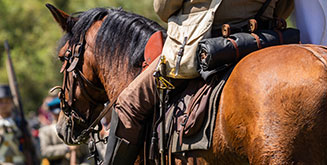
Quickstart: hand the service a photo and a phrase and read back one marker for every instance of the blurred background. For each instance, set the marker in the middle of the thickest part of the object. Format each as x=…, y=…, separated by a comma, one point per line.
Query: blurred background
x=33, y=34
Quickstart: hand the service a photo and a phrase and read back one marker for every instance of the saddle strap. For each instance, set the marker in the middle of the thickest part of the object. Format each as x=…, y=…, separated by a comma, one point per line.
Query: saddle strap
x=262, y=10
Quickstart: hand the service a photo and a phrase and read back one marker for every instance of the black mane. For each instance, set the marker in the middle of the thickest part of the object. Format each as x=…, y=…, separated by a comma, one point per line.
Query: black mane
x=121, y=34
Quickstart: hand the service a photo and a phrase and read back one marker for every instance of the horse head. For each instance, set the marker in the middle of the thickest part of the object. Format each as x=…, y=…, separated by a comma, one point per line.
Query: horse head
x=82, y=94
x=101, y=52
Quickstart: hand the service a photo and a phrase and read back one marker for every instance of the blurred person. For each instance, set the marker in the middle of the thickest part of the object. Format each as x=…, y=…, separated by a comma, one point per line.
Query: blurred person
x=44, y=114
x=10, y=149
x=34, y=126
x=52, y=148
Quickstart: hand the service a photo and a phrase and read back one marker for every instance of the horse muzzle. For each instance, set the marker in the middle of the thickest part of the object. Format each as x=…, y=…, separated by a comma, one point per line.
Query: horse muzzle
x=65, y=131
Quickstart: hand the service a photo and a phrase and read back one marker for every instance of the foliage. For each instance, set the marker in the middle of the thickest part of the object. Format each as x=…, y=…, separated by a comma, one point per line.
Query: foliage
x=33, y=34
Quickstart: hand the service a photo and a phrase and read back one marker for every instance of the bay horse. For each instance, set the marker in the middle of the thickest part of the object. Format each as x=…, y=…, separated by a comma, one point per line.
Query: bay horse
x=272, y=109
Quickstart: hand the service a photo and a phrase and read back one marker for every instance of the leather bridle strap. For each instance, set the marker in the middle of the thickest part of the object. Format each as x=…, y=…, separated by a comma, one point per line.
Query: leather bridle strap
x=77, y=77
x=81, y=78
x=89, y=82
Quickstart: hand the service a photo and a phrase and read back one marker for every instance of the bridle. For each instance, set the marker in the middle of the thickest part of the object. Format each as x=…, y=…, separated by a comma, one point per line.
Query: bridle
x=73, y=56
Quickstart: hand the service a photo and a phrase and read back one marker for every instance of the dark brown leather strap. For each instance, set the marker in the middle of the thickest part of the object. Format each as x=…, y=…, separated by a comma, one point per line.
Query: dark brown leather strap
x=262, y=10
x=189, y=110
x=236, y=48
x=280, y=35
x=257, y=39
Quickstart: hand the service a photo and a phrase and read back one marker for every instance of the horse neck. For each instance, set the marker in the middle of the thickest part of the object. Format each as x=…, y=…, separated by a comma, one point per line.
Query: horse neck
x=120, y=60
x=116, y=76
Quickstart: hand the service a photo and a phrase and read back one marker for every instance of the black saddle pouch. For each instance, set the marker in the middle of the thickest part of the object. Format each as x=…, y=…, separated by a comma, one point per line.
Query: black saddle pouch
x=214, y=53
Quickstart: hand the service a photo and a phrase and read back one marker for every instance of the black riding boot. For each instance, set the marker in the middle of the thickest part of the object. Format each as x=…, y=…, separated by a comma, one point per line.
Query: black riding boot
x=119, y=151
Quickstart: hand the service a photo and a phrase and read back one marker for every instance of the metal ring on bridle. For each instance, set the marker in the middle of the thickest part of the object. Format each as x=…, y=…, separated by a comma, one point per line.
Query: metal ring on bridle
x=55, y=88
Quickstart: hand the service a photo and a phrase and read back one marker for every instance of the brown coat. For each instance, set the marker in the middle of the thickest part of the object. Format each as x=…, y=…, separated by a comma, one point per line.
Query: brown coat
x=230, y=11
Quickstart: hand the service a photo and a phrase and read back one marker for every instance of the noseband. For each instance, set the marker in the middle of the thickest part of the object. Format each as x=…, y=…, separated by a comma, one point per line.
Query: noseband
x=72, y=58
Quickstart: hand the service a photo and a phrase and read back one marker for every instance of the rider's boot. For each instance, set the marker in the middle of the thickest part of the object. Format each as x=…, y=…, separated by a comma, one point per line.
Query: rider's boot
x=119, y=151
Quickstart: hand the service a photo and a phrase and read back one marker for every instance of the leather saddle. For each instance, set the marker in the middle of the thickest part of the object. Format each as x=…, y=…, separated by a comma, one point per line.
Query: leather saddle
x=188, y=116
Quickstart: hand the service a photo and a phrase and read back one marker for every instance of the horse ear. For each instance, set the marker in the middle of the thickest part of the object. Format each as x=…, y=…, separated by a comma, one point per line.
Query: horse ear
x=60, y=16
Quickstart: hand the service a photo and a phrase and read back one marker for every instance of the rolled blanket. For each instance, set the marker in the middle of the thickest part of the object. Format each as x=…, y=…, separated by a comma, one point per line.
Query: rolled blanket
x=216, y=52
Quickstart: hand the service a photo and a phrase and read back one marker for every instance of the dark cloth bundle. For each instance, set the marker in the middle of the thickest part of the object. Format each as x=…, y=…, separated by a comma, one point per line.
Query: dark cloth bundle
x=215, y=53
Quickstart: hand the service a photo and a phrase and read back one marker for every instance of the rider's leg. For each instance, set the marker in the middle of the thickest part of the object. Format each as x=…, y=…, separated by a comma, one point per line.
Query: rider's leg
x=132, y=108
x=135, y=104
x=119, y=150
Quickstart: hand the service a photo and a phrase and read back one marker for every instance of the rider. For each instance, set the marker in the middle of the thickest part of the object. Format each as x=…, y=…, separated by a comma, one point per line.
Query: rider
x=134, y=104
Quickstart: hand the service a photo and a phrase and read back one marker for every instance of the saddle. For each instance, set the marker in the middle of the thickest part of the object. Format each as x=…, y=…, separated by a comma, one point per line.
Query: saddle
x=189, y=117
x=191, y=113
